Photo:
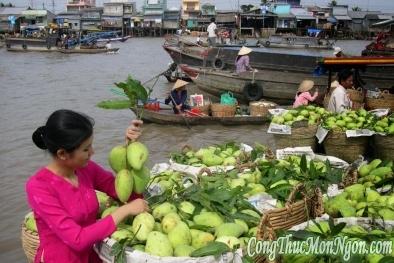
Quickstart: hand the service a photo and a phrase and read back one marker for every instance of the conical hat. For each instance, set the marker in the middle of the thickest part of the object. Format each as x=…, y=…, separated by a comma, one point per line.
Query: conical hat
x=306, y=85
x=179, y=84
x=244, y=51
x=337, y=50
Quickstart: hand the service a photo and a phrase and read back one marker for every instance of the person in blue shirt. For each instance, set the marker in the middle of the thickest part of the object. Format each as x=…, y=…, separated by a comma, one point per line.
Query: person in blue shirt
x=178, y=97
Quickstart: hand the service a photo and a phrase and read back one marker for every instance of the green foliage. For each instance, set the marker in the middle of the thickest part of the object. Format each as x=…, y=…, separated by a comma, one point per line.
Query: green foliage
x=117, y=104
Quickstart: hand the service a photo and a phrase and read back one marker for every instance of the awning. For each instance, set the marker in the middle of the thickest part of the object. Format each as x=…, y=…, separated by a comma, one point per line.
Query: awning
x=385, y=17
x=343, y=18
x=305, y=17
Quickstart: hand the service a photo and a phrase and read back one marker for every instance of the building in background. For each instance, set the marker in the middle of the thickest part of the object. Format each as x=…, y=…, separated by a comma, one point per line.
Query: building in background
x=10, y=19
x=78, y=5
x=91, y=19
x=36, y=18
x=153, y=11
x=190, y=13
x=117, y=16
x=171, y=20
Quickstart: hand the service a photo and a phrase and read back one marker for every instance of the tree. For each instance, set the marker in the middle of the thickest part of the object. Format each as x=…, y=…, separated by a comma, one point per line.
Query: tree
x=333, y=3
x=356, y=8
x=246, y=8
x=1, y=4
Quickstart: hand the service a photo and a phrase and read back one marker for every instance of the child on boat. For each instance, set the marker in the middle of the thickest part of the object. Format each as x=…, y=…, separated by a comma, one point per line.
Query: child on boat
x=303, y=96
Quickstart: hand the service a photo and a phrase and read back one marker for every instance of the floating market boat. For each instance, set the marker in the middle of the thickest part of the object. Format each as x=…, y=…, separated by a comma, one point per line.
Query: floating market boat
x=168, y=117
x=291, y=41
x=87, y=50
x=31, y=44
x=274, y=85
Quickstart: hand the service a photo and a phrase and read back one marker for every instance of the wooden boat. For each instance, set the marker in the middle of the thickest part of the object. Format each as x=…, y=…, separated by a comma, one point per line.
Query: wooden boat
x=168, y=117
x=273, y=85
x=87, y=50
x=31, y=44
x=113, y=39
x=287, y=41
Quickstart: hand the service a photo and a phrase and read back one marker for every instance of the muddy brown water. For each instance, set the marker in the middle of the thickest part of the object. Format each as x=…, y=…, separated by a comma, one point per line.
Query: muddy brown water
x=33, y=85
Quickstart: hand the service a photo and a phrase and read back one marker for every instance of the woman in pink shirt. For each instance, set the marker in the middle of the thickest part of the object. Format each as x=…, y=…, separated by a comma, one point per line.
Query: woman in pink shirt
x=62, y=194
x=303, y=96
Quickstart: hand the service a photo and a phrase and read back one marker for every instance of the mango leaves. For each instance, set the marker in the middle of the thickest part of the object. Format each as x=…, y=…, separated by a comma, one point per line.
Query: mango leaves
x=134, y=90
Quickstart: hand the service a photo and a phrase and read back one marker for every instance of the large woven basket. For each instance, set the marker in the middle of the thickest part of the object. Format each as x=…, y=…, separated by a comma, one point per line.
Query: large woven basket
x=357, y=98
x=300, y=136
x=384, y=146
x=30, y=242
x=260, y=108
x=222, y=110
x=385, y=101
x=294, y=213
x=337, y=144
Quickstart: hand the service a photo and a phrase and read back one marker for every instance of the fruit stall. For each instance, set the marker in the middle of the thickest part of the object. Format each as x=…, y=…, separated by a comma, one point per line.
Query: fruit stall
x=216, y=203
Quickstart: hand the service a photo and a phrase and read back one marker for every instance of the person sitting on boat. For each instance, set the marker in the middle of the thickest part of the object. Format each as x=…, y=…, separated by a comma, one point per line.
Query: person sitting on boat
x=62, y=194
x=178, y=97
x=108, y=45
x=242, y=60
x=304, y=96
x=339, y=100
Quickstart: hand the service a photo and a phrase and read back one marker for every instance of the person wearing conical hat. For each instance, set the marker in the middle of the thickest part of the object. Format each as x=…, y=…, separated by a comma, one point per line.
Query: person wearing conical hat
x=338, y=52
x=178, y=97
x=242, y=60
x=304, y=96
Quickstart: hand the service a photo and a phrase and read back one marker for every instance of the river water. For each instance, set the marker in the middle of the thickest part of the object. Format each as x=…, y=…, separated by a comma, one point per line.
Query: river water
x=33, y=85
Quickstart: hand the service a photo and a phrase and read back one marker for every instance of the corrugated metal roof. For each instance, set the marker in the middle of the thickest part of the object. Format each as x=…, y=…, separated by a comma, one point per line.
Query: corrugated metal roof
x=385, y=17
x=11, y=10
x=302, y=14
x=361, y=14
x=346, y=17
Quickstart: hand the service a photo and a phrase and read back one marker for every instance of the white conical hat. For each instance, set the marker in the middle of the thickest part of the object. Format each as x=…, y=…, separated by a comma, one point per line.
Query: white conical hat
x=337, y=50
x=306, y=85
x=244, y=51
x=179, y=84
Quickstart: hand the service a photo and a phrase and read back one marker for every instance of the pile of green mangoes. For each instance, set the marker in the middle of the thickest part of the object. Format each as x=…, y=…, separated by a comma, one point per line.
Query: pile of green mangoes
x=131, y=173
x=176, y=230
x=167, y=179
x=329, y=230
x=309, y=113
x=375, y=172
x=349, y=120
x=385, y=125
x=227, y=154
x=359, y=201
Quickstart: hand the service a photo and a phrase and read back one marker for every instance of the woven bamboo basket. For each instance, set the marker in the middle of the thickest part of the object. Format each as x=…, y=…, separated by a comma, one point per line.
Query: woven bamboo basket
x=30, y=242
x=300, y=136
x=337, y=144
x=385, y=101
x=357, y=98
x=260, y=108
x=384, y=146
x=222, y=110
x=294, y=213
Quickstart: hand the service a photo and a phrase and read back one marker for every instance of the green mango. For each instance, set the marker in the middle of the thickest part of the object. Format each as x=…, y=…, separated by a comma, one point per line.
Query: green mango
x=141, y=179
x=117, y=158
x=30, y=223
x=124, y=184
x=375, y=163
x=210, y=219
x=230, y=241
x=187, y=208
x=170, y=221
x=139, y=247
x=355, y=192
x=242, y=224
x=386, y=213
x=163, y=209
x=121, y=234
x=211, y=159
x=252, y=232
x=372, y=196
x=183, y=251
x=108, y=211
x=157, y=244
x=180, y=235
x=200, y=239
x=142, y=225
x=364, y=170
x=137, y=155
x=229, y=161
x=229, y=229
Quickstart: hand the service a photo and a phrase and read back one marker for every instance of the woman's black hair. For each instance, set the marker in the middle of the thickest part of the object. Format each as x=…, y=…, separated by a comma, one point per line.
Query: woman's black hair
x=344, y=75
x=64, y=129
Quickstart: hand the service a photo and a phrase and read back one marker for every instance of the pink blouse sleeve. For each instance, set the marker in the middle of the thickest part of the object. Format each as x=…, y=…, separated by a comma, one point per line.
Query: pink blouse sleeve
x=308, y=96
x=104, y=181
x=78, y=237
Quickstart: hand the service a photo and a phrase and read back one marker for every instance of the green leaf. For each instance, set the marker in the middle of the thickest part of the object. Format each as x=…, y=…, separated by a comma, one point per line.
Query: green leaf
x=304, y=164
x=211, y=249
x=338, y=228
x=387, y=259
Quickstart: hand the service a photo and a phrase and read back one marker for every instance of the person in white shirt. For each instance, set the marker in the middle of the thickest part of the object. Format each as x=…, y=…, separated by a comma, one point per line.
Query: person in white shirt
x=339, y=100
x=212, y=33
x=108, y=45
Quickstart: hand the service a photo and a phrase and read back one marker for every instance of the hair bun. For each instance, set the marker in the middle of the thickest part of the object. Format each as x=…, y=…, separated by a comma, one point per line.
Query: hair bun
x=38, y=138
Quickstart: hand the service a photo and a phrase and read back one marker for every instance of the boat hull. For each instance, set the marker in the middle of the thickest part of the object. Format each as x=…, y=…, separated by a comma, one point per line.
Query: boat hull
x=278, y=86
x=167, y=117
x=88, y=50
